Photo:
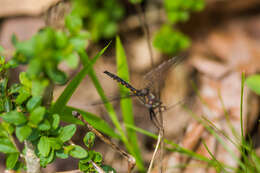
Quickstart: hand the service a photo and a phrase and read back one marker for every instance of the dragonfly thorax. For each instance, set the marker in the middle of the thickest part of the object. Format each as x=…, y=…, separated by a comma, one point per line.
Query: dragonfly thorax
x=144, y=92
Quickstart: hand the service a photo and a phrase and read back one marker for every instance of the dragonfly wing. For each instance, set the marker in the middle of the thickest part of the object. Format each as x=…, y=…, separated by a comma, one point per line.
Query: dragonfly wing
x=154, y=79
x=112, y=99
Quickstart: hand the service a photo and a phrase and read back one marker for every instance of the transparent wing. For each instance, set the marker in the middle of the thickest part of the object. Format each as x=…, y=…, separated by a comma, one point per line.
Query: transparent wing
x=113, y=98
x=154, y=79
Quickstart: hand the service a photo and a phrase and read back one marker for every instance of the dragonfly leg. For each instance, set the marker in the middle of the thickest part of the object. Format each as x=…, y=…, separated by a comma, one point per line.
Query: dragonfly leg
x=154, y=118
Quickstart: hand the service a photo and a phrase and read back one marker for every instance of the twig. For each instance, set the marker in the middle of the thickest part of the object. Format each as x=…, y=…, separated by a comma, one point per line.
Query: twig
x=154, y=153
x=98, y=169
x=130, y=158
x=161, y=133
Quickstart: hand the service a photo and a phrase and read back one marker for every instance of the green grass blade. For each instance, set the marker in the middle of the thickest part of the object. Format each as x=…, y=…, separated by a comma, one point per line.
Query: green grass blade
x=218, y=166
x=241, y=106
x=108, y=106
x=97, y=122
x=69, y=90
x=126, y=104
x=175, y=146
x=243, y=142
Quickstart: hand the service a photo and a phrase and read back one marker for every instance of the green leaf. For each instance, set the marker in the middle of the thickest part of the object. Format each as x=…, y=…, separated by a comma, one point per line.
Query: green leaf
x=68, y=148
x=56, y=121
x=89, y=139
x=78, y=43
x=55, y=143
x=71, y=87
x=126, y=104
x=253, y=82
x=98, y=157
x=56, y=75
x=11, y=160
x=45, y=125
x=199, y=5
x=7, y=127
x=170, y=41
x=72, y=60
x=67, y=132
x=25, y=80
x=46, y=160
x=78, y=152
x=38, y=87
x=61, y=154
x=44, y=40
x=73, y=23
x=24, y=94
x=36, y=116
x=6, y=146
x=33, y=102
x=3, y=132
x=34, y=135
x=108, y=169
x=44, y=146
x=61, y=39
x=34, y=68
x=84, y=167
x=14, y=117
x=23, y=132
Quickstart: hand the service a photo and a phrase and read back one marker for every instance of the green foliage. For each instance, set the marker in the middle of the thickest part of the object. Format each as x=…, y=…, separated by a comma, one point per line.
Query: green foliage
x=89, y=139
x=99, y=17
x=12, y=160
x=67, y=132
x=253, y=82
x=169, y=40
x=78, y=152
x=23, y=132
x=178, y=10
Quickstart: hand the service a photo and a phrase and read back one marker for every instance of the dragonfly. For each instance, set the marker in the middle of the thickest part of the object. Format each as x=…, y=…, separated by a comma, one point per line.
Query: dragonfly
x=149, y=95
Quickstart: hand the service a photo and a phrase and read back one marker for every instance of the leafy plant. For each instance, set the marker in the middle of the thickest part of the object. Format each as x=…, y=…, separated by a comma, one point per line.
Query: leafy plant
x=168, y=39
x=100, y=18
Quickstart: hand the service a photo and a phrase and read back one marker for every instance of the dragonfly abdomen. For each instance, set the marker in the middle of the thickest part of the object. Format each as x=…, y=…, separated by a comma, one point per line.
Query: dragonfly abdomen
x=121, y=81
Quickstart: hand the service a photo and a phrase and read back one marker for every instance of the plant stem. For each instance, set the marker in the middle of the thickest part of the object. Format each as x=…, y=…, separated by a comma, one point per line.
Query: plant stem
x=32, y=161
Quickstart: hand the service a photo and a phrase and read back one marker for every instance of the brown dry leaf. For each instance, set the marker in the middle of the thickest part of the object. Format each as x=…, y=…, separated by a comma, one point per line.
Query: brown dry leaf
x=25, y=7
x=236, y=47
x=208, y=67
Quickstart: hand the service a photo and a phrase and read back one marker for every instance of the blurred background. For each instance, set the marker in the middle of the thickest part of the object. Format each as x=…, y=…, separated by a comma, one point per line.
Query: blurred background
x=222, y=38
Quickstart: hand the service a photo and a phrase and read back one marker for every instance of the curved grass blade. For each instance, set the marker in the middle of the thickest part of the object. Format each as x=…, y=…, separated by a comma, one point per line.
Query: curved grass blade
x=69, y=90
x=126, y=104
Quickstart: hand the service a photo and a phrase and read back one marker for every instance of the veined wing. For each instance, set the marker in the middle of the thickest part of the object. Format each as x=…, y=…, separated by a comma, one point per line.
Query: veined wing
x=154, y=79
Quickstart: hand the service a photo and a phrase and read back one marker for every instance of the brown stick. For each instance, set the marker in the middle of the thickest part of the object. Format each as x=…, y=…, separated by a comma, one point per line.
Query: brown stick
x=130, y=159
